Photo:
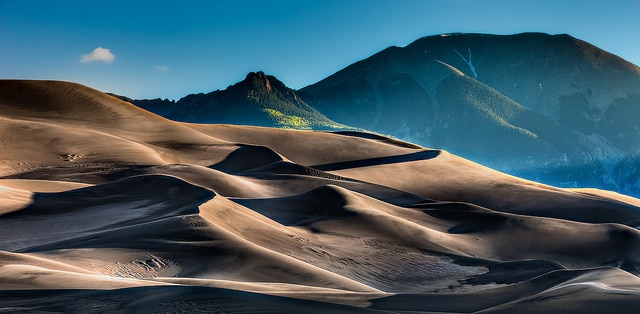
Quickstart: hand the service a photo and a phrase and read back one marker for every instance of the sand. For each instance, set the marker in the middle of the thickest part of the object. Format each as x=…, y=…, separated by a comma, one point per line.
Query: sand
x=106, y=207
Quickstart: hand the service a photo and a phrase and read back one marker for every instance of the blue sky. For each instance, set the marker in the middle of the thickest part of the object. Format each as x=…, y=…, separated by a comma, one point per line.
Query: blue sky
x=168, y=49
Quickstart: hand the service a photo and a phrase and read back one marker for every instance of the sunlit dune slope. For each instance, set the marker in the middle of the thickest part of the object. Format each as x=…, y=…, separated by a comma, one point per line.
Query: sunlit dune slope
x=115, y=208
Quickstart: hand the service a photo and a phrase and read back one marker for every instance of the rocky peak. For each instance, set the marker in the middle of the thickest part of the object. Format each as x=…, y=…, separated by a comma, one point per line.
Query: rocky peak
x=259, y=80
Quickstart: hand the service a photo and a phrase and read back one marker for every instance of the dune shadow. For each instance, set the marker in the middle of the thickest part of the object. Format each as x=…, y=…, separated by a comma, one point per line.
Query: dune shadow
x=247, y=157
x=84, y=217
x=164, y=299
x=99, y=173
x=421, y=155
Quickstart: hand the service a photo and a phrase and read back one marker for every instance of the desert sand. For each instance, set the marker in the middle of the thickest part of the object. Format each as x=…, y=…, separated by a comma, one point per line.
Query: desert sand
x=105, y=207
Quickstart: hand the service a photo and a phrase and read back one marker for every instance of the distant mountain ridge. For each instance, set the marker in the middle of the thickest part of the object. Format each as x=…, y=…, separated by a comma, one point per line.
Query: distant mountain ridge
x=550, y=108
x=259, y=99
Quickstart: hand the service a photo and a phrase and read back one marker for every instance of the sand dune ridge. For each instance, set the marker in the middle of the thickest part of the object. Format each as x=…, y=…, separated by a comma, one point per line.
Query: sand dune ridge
x=105, y=207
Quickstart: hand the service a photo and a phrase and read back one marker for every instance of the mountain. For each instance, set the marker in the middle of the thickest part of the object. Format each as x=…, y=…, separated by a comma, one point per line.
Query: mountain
x=551, y=108
x=106, y=207
x=259, y=99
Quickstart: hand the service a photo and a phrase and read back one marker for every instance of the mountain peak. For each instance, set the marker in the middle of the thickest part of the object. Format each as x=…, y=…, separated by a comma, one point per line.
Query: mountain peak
x=260, y=79
x=259, y=99
x=255, y=75
x=552, y=100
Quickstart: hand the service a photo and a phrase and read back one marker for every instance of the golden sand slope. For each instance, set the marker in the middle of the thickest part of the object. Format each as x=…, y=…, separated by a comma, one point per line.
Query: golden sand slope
x=106, y=207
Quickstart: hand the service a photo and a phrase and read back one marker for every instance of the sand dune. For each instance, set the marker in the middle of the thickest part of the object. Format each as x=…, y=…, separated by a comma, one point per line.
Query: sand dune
x=106, y=207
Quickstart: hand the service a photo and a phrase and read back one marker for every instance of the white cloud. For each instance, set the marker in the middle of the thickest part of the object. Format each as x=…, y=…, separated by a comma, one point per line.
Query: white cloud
x=98, y=54
x=162, y=68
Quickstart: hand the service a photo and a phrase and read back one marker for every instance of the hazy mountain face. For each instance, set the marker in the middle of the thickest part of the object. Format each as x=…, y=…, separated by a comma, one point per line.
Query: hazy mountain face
x=549, y=108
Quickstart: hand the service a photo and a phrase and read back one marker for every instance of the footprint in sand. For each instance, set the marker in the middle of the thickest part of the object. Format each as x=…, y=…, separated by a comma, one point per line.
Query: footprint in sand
x=69, y=157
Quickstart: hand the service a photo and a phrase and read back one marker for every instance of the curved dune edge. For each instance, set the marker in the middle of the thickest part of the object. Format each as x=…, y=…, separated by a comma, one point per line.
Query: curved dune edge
x=610, y=194
x=105, y=206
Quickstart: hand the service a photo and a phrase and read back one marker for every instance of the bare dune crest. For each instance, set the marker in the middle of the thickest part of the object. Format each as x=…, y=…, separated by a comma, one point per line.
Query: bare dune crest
x=73, y=104
x=13, y=199
x=104, y=206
